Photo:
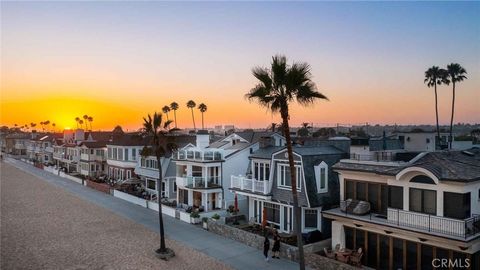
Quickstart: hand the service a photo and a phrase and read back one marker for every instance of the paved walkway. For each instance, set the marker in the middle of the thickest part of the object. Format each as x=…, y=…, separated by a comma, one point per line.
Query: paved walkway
x=232, y=253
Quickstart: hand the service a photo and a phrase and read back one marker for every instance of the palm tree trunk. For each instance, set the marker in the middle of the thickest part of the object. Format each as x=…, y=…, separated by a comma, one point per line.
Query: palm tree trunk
x=193, y=118
x=297, y=228
x=163, y=248
x=175, y=115
x=90, y=125
x=451, y=119
x=202, y=121
x=436, y=114
x=167, y=116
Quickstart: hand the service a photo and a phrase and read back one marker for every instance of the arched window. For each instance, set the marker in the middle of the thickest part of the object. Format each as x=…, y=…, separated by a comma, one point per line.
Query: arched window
x=422, y=179
x=321, y=177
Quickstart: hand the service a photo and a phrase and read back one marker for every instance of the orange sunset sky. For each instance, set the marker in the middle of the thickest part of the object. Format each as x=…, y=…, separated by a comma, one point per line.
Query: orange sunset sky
x=119, y=61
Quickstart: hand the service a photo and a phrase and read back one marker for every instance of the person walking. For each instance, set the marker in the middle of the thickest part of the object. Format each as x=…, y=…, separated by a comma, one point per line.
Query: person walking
x=266, y=247
x=276, y=245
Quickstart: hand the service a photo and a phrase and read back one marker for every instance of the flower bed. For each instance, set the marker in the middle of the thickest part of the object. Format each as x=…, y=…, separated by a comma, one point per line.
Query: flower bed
x=103, y=187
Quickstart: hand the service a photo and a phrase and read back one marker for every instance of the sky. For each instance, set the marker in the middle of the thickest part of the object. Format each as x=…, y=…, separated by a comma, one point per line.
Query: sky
x=119, y=61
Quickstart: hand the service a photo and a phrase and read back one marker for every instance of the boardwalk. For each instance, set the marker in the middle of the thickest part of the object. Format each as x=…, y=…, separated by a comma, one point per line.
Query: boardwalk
x=50, y=222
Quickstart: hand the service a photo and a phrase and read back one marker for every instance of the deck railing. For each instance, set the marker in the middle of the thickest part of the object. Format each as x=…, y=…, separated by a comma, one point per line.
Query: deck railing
x=198, y=181
x=436, y=224
x=200, y=155
x=249, y=184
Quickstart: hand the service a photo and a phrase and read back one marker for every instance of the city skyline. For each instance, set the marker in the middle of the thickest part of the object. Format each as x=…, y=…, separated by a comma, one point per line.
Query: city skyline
x=120, y=61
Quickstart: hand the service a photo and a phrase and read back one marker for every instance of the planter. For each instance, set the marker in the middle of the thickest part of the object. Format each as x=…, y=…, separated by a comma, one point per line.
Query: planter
x=205, y=225
x=194, y=220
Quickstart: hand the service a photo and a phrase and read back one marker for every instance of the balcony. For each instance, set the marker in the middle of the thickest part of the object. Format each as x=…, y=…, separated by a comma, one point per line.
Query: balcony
x=458, y=229
x=375, y=156
x=250, y=185
x=198, y=182
x=202, y=155
x=49, y=149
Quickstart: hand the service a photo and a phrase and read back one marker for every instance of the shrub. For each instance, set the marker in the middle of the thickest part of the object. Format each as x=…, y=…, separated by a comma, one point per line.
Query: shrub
x=216, y=216
x=204, y=219
x=194, y=215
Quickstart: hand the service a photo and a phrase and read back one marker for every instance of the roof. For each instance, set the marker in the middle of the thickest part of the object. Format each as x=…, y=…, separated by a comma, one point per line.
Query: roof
x=255, y=136
x=129, y=140
x=95, y=144
x=266, y=152
x=18, y=136
x=99, y=135
x=462, y=166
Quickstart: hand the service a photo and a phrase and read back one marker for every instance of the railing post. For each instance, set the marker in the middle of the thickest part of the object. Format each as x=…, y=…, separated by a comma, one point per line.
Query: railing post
x=265, y=183
x=398, y=217
x=241, y=182
x=253, y=185
x=428, y=222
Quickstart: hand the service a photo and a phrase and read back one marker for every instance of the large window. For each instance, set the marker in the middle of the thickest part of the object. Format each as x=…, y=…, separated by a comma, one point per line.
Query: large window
x=456, y=205
x=423, y=201
x=284, y=178
x=395, y=197
x=273, y=212
x=126, y=153
x=261, y=171
x=311, y=219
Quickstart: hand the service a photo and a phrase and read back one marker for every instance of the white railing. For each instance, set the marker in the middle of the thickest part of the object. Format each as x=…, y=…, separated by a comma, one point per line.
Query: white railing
x=249, y=184
x=200, y=154
x=432, y=223
x=198, y=182
x=49, y=149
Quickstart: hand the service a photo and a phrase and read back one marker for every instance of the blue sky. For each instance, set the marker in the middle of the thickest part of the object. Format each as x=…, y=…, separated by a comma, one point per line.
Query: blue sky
x=363, y=55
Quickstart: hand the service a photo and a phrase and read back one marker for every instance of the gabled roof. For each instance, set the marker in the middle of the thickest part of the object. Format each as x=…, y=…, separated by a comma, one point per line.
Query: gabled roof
x=95, y=144
x=99, y=135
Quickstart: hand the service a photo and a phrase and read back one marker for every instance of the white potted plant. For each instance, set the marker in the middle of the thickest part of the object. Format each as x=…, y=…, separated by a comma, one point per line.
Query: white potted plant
x=194, y=218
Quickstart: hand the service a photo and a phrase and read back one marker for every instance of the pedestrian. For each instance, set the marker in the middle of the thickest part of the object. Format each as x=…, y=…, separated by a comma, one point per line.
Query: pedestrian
x=266, y=247
x=276, y=245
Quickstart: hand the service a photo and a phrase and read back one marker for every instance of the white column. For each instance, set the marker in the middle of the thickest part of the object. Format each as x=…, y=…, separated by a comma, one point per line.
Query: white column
x=338, y=234
x=190, y=197
x=205, y=201
x=440, y=203
x=204, y=174
x=342, y=186
x=406, y=199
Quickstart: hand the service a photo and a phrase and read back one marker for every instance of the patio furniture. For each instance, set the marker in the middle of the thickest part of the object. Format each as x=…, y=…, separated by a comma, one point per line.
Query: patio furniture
x=337, y=247
x=329, y=254
x=342, y=257
x=355, y=207
x=356, y=258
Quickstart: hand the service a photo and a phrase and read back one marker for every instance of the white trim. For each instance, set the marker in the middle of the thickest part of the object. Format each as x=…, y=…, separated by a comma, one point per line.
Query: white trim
x=318, y=177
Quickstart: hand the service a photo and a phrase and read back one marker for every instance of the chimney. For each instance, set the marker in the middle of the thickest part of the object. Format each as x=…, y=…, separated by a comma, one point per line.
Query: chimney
x=265, y=142
x=79, y=135
x=203, y=139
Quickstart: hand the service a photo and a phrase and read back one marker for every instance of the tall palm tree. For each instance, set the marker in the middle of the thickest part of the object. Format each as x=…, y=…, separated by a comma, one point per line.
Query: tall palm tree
x=191, y=104
x=85, y=119
x=80, y=122
x=53, y=125
x=455, y=73
x=165, y=110
x=277, y=87
x=203, y=108
x=77, y=119
x=161, y=144
x=435, y=76
x=90, y=120
x=41, y=124
x=46, y=123
x=174, y=107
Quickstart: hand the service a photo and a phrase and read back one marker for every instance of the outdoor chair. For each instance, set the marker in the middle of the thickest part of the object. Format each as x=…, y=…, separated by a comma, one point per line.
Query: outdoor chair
x=337, y=247
x=356, y=258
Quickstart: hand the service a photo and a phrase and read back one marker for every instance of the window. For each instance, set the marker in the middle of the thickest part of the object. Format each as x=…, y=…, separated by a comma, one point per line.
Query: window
x=114, y=153
x=129, y=174
x=395, y=197
x=134, y=154
x=456, y=205
x=109, y=150
x=423, y=201
x=151, y=184
x=310, y=218
x=126, y=154
x=120, y=154
x=284, y=178
x=273, y=212
x=321, y=176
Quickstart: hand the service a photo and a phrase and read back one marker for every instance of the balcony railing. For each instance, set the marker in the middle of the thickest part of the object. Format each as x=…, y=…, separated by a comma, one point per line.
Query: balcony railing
x=443, y=225
x=198, y=182
x=249, y=184
x=377, y=156
x=200, y=155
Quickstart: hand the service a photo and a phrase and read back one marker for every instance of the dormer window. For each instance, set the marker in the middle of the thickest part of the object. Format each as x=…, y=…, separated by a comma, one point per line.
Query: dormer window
x=321, y=177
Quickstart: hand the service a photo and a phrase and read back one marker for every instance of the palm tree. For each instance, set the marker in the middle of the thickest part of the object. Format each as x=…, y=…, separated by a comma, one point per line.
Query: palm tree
x=80, y=122
x=53, y=125
x=191, y=104
x=277, y=87
x=455, y=73
x=90, y=120
x=161, y=144
x=41, y=124
x=435, y=76
x=203, y=108
x=165, y=110
x=46, y=123
x=85, y=119
x=77, y=119
x=174, y=107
